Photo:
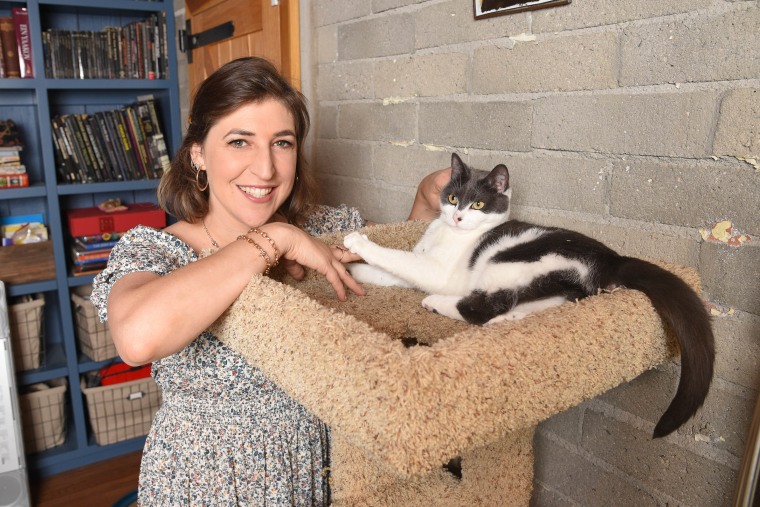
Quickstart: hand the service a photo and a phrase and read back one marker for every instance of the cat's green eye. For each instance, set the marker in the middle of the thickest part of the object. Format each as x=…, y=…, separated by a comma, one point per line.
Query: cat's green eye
x=478, y=205
x=453, y=199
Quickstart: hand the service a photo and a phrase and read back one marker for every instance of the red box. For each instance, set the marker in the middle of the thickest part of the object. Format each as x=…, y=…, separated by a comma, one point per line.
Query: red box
x=122, y=372
x=91, y=221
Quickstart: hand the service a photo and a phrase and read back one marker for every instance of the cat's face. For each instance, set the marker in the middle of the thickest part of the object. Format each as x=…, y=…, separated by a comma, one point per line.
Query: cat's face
x=475, y=199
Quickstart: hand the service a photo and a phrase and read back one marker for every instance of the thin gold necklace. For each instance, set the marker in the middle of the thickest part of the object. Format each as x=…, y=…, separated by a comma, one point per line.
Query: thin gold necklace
x=213, y=241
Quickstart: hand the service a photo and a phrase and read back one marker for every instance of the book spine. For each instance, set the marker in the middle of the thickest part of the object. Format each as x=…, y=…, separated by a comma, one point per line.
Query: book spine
x=72, y=163
x=129, y=154
x=10, y=51
x=102, y=245
x=93, y=256
x=114, y=144
x=23, y=41
x=158, y=137
x=98, y=159
x=99, y=238
x=14, y=168
x=97, y=172
x=149, y=132
x=14, y=180
x=101, y=136
x=74, y=151
x=60, y=161
x=79, y=141
x=2, y=60
x=135, y=138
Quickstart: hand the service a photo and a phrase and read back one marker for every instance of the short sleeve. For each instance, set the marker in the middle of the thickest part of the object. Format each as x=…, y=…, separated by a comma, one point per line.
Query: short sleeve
x=326, y=219
x=142, y=249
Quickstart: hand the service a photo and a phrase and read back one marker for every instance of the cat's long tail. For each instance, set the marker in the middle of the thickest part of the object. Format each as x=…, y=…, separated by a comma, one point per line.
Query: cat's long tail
x=682, y=309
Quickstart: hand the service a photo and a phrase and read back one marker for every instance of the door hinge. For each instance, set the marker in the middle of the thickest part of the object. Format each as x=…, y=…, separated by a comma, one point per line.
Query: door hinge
x=189, y=40
x=275, y=3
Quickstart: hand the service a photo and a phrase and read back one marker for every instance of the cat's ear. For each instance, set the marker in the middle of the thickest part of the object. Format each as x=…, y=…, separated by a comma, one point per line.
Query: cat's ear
x=499, y=178
x=459, y=171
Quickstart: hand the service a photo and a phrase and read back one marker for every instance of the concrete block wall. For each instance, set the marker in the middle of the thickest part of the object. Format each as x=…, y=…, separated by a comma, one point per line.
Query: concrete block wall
x=635, y=122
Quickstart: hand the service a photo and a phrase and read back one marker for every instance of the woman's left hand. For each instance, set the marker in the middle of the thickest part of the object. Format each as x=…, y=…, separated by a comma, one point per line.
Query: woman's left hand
x=299, y=251
x=344, y=255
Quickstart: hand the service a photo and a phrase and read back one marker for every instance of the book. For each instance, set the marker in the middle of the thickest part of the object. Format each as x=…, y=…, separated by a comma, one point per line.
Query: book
x=68, y=168
x=88, y=269
x=94, y=239
x=82, y=246
x=136, y=140
x=74, y=136
x=154, y=139
x=101, y=148
x=126, y=145
x=2, y=60
x=11, y=157
x=88, y=148
x=14, y=180
x=10, y=52
x=77, y=164
x=20, y=17
x=89, y=256
x=12, y=168
x=108, y=130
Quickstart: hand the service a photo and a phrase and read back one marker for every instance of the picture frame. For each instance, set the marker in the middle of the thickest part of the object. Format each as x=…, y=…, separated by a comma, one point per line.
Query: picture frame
x=490, y=8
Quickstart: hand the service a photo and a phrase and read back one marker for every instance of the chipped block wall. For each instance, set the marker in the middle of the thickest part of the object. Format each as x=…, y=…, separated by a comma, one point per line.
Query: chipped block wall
x=636, y=122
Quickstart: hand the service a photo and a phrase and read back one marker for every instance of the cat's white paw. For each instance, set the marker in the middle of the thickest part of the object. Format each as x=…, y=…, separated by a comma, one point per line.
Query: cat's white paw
x=364, y=273
x=354, y=241
x=443, y=305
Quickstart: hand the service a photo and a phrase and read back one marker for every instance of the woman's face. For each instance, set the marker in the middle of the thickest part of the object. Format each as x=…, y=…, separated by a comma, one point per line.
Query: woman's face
x=250, y=157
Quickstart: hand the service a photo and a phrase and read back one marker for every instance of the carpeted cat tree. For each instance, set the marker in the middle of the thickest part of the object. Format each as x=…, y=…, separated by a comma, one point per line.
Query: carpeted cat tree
x=398, y=413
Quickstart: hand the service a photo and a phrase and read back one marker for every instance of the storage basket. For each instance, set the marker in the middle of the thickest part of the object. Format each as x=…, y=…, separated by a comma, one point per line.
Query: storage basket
x=43, y=415
x=121, y=411
x=93, y=336
x=26, y=332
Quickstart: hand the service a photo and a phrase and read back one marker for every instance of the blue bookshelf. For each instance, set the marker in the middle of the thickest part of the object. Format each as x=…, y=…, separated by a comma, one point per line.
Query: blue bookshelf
x=31, y=103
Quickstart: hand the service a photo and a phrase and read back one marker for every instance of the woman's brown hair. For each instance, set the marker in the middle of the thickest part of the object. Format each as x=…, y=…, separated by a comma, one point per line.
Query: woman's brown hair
x=239, y=82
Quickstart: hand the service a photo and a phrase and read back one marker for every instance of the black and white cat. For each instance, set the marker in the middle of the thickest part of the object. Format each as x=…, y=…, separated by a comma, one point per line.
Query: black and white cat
x=481, y=267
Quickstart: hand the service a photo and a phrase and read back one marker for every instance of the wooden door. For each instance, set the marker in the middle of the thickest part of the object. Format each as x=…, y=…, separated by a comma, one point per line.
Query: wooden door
x=261, y=29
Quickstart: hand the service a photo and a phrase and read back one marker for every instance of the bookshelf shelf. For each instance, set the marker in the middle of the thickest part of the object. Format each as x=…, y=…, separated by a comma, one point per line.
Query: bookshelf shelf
x=32, y=103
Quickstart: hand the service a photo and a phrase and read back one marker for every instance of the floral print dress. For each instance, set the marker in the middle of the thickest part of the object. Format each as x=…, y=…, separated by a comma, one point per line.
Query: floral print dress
x=225, y=435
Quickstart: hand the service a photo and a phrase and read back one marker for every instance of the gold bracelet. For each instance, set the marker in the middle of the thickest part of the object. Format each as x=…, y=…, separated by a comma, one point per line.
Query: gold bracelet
x=264, y=235
x=264, y=255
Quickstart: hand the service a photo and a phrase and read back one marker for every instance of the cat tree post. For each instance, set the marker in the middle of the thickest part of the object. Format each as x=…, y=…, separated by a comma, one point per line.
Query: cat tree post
x=500, y=472
x=397, y=414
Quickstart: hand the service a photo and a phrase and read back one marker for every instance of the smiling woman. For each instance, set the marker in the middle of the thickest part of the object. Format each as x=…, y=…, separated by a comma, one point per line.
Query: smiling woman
x=244, y=202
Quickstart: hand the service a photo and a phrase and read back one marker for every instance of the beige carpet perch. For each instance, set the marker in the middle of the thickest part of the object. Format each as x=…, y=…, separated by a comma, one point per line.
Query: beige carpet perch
x=398, y=413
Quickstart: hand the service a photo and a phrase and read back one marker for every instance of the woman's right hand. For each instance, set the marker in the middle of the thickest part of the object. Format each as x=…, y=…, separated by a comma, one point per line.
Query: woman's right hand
x=298, y=250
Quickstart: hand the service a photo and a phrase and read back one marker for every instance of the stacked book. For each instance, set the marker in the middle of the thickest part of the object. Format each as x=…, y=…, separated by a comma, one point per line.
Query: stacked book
x=95, y=231
x=12, y=171
x=89, y=254
x=117, y=145
x=135, y=51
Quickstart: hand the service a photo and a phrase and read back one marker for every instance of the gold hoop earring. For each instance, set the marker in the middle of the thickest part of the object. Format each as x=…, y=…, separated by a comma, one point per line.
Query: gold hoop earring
x=200, y=187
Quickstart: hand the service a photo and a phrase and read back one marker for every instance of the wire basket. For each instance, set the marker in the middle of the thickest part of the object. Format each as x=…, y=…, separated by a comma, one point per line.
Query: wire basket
x=121, y=411
x=26, y=332
x=43, y=415
x=93, y=336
